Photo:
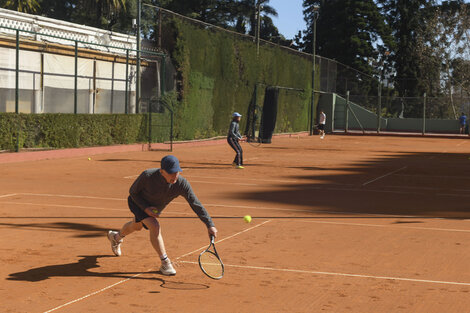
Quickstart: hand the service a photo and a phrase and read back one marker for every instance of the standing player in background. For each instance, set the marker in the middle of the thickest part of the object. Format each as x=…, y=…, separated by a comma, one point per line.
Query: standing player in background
x=151, y=192
x=233, y=139
x=462, y=122
x=321, y=124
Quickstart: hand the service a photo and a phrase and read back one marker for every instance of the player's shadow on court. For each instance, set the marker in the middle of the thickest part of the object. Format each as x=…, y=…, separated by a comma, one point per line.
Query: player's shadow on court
x=87, y=230
x=82, y=269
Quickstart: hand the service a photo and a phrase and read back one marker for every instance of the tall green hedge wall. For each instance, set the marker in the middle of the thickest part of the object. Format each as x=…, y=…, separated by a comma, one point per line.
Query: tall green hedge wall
x=71, y=131
x=219, y=71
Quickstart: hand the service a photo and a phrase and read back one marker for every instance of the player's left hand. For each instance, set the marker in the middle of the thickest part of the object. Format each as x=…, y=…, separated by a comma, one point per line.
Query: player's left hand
x=212, y=231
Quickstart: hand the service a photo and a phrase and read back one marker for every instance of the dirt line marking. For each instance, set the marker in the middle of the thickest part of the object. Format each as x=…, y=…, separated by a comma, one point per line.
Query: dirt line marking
x=342, y=274
x=378, y=225
x=391, y=173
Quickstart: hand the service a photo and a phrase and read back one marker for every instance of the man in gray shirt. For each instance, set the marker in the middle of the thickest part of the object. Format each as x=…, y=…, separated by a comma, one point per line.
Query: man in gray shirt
x=151, y=192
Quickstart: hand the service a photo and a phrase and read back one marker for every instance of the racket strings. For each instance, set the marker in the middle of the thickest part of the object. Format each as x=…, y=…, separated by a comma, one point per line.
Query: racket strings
x=211, y=264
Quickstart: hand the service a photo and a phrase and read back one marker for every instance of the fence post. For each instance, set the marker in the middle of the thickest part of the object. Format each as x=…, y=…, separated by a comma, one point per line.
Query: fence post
x=424, y=114
x=379, y=106
x=17, y=73
x=75, y=105
x=126, y=100
x=17, y=93
x=347, y=113
x=137, y=89
x=163, y=76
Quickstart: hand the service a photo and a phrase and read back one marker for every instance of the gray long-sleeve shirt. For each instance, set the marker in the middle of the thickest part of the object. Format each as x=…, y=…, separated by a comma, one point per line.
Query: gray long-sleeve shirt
x=150, y=189
x=234, y=130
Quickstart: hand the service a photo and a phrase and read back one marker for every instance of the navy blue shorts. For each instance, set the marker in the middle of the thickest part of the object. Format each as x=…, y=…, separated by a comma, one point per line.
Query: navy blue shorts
x=321, y=126
x=138, y=213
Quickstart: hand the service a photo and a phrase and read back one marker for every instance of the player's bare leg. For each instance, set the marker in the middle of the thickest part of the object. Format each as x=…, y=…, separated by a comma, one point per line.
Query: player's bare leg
x=156, y=239
x=116, y=237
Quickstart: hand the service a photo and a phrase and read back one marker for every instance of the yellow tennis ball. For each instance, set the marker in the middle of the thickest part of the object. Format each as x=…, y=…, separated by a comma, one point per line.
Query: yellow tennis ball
x=247, y=219
x=89, y=159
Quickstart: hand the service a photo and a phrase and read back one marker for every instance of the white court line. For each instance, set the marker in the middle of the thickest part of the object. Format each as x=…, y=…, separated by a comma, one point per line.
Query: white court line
x=93, y=293
x=9, y=195
x=452, y=195
x=136, y=275
x=435, y=176
x=92, y=208
x=132, y=176
x=371, y=181
x=232, y=178
x=342, y=274
x=244, y=178
x=68, y=196
x=218, y=241
x=461, y=143
x=267, y=208
x=378, y=225
x=225, y=183
x=64, y=206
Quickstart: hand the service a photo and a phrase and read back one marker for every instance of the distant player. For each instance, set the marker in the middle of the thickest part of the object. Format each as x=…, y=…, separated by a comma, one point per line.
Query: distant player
x=233, y=139
x=151, y=192
x=321, y=124
x=462, y=122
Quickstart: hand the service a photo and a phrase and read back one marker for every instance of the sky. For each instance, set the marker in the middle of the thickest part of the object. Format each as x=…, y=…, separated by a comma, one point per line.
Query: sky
x=290, y=18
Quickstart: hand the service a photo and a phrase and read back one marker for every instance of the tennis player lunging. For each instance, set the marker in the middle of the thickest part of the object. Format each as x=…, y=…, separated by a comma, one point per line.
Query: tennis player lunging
x=233, y=137
x=151, y=192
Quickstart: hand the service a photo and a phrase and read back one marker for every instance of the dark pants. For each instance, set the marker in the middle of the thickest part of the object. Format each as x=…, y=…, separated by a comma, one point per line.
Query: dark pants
x=238, y=149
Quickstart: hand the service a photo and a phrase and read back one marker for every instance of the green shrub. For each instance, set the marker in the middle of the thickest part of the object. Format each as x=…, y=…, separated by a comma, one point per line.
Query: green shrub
x=70, y=130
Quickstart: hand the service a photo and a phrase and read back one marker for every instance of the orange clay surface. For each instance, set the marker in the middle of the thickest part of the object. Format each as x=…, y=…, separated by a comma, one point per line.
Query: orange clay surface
x=344, y=224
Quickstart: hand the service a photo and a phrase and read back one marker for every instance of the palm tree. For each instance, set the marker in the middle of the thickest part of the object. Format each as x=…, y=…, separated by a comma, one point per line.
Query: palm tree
x=106, y=11
x=26, y=6
x=245, y=13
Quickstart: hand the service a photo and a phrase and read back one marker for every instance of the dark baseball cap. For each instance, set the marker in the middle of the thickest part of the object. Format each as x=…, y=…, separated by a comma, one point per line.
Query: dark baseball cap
x=170, y=164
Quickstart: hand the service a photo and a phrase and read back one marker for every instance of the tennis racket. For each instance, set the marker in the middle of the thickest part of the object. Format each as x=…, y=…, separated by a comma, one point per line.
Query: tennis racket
x=210, y=262
x=254, y=141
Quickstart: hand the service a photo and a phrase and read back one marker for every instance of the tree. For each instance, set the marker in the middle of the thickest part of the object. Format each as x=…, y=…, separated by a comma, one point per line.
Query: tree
x=26, y=6
x=244, y=15
x=98, y=13
x=442, y=45
x=348, y=31
x=406, y=17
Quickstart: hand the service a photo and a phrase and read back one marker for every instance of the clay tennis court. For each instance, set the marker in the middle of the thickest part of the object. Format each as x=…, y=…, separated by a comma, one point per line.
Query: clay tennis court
x=344, y=224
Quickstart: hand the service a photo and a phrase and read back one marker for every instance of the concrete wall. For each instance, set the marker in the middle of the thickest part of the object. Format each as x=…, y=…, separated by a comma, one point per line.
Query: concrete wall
x=334, y=107
x=416, y=125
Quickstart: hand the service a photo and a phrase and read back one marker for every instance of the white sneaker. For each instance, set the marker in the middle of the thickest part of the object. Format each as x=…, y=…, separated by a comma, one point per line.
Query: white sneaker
x=167, y=268
x=115, y=245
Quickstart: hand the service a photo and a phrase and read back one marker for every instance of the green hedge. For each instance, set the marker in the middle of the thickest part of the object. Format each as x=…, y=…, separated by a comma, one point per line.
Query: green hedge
x=219, y=71
x=70, y=130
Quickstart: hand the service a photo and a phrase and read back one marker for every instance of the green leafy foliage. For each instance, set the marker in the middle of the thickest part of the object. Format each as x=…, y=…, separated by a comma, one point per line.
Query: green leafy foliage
x=219, y=71
x=70, y=131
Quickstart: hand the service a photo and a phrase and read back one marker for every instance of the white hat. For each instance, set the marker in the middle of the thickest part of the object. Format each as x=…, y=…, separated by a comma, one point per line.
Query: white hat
x=236, y=114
